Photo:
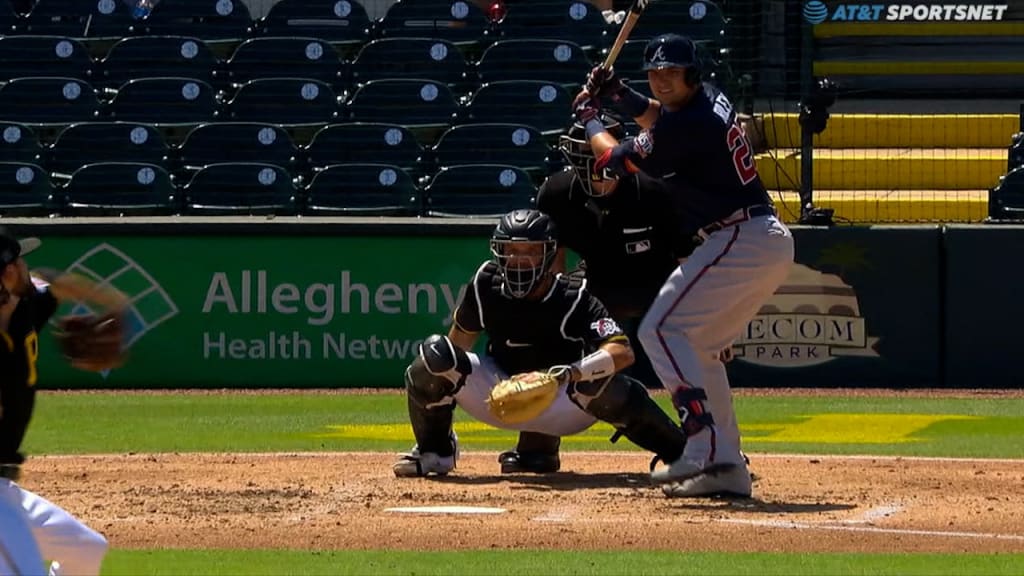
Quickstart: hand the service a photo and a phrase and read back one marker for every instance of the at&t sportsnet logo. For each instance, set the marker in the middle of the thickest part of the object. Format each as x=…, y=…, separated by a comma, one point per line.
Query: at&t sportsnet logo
x=817, y=12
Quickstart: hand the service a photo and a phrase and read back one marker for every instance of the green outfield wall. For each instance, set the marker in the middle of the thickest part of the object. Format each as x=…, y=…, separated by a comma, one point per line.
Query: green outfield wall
x=344, y=303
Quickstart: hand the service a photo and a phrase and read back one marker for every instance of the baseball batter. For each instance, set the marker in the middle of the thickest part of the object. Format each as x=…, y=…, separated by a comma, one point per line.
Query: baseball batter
x=32, y=529
x=692, y=141
x=534, y=320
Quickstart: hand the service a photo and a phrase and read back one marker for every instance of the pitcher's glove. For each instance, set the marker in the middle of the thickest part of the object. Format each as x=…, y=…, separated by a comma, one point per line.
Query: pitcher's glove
x=523, y=397
x=92, y=342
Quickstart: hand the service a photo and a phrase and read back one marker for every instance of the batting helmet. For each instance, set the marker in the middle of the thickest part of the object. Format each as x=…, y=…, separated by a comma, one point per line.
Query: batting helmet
x=524, y=245
x=575, y=147
x=673, y=51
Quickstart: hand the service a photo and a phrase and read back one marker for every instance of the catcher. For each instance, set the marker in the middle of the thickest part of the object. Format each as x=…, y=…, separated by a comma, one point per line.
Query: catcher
x=33, y=529
x=558, y=344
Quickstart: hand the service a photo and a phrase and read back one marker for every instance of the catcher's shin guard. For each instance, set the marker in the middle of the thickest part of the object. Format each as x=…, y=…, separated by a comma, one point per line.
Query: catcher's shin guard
x=535, y=453
x=624, y=403
x=431, y=382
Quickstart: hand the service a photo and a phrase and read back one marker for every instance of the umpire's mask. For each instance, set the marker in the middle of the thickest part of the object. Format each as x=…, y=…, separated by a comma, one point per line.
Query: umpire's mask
x=577, y=152
x=524, y=247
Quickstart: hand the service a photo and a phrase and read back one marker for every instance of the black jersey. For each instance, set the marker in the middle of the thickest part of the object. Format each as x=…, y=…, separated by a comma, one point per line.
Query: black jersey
x=523, y=335
x=629, y=241
x=703, y=156
x=19, y=349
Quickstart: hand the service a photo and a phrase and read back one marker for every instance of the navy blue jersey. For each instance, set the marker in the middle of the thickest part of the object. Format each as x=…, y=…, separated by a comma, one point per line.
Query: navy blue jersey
x=703, y=156
x=19, y=349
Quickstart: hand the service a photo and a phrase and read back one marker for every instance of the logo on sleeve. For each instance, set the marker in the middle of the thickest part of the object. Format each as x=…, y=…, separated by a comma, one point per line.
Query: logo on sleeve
x=643, y=144
x=605, y=327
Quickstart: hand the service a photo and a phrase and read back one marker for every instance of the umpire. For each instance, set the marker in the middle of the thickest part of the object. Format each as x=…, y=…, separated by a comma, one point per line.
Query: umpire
x=623, y=229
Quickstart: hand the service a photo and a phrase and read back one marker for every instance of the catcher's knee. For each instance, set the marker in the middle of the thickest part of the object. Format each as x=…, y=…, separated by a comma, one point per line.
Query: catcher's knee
x=608, y=399
x=438, y=372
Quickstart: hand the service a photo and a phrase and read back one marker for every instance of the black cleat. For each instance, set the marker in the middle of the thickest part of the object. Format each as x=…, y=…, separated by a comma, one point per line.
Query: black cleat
x=513, y=462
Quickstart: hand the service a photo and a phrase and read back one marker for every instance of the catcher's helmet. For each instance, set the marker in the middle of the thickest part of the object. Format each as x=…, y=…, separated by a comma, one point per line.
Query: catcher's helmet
x=576, y=148
x=673, y=51
x=11, y=248
x=524, y=246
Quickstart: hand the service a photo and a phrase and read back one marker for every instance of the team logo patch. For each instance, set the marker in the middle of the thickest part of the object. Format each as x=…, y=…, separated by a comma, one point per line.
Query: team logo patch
x=643, y=144
x=605, y=327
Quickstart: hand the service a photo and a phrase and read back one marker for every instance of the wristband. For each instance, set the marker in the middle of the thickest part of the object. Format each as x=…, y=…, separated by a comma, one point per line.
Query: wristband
x=630, y=102
x=600, y=364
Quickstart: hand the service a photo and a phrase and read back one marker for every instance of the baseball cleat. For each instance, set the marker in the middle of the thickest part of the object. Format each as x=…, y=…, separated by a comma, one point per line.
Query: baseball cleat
x=698, y=458
x=734, y=482
x=513, y=462
x=417, y=464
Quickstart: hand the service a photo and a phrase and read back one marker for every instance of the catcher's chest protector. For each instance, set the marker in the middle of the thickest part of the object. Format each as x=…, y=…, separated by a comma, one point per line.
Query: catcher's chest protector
x=526, y=335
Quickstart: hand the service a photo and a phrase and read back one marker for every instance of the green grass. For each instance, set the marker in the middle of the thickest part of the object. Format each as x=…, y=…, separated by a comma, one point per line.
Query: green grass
x=534, y=562
x=113, y=423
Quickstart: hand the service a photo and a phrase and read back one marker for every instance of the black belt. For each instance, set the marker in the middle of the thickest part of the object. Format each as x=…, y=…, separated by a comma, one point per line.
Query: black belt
x=737, y=217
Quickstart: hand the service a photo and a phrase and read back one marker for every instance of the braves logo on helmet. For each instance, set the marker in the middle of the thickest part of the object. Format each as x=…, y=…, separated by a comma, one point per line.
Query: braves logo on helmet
x=643, y=144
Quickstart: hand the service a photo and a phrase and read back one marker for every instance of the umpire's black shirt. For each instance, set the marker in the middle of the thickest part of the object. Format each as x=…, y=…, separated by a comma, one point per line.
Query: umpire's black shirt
x=629, y=241
x=19, y=349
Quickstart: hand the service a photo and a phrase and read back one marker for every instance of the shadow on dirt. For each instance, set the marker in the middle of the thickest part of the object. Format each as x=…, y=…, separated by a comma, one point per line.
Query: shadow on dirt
x=756, y=506
x=557, y=481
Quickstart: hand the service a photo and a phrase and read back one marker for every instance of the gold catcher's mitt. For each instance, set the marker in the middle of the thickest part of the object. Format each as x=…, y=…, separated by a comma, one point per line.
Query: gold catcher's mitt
x=92, y=342
x=523, y=397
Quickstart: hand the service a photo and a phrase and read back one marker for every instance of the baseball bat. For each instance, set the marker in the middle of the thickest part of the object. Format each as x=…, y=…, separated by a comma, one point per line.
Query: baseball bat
x=635, y=11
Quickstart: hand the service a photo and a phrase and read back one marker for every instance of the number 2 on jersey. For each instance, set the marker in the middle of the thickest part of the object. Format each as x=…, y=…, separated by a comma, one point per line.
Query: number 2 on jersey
x=742, y=159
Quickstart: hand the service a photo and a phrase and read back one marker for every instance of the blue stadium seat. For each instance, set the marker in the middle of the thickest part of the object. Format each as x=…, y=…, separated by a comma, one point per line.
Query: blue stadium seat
x=408, y=102
x=364, y=143
x=92, y=142
x=119, y=189
x=167, y=100
x=432, y=59
x=574, y=21
x=240, y=188
x=25, y=190
x=363, y=190
x=543, y=105
x=556, y=61
x=286, y=58
x=79, y=18
x=206, y=19
x=513, y=144
x=337, y=21
x=156, y=56
x=23, y=56
x=284, y=101
x=47, y=100
x=698, y=19
x=223, y=142
x=479, y=190
x=19, y=143
x=458, y=21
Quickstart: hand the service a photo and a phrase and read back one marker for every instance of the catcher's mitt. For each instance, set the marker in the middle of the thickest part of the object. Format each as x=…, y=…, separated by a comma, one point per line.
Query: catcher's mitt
x=92, y=342
x=523, y=397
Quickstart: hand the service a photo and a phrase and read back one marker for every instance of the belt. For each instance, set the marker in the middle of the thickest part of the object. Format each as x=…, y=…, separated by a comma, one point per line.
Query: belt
x=741, y=215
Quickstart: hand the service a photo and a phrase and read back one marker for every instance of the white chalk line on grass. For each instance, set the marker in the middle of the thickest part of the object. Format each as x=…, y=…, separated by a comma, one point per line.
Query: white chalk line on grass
x=572, y=453
x=870, y=529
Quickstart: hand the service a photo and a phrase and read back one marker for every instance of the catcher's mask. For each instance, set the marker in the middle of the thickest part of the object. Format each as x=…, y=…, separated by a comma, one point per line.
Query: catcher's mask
x=577, y=152
x=524, y=248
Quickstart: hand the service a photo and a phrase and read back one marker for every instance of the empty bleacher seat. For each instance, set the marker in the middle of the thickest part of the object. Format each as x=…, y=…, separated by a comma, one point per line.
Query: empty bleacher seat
x=286, y=58
x=408, y=102
x=1006, y=200
x=18, y=143
x=237, y=142
x=206, y=19
x=557, y=61
x=362, y=143
x=240, y=188
x=25, y=190
x=431, y=59
x=575, y=21
x=337, y=21
x=544, y=105
x=119, y=188
x=514, y=144
x=697, y=19
x=458, y=21
x=484, y=190
x=92, y=142
x=156, y=56
x=22, y=56
x=363, y=190
x=47, y=100
x=284, y=101
x=61, y=17
x=167, y=100
x=9, y=19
